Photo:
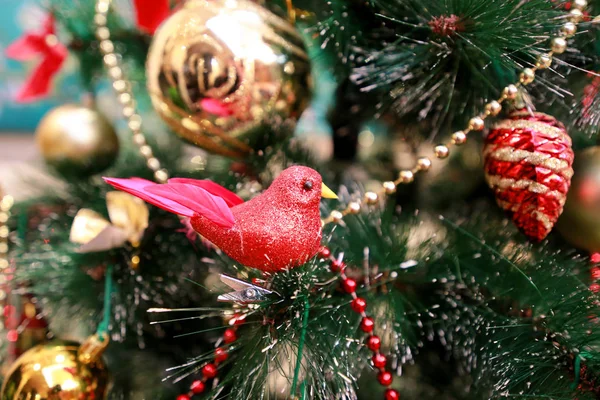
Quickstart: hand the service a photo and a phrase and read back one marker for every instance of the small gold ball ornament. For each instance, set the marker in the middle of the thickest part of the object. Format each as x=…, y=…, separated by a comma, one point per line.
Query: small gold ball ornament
x=336, y=216
x=579, y=223
x=424, y=164
x=544, y=61
x=54, y=371
x=405, y=176
x=220, y=70
x=389, y=187
x=558, y=45
x=441, y=151
x=510, y=92
x=575, y=15
x=493, y=108
x=476, y=123
x=354, y=207
x=568, y=29
x=459, y=138
x=371, y=198
x=77, y=140
x=527, y=76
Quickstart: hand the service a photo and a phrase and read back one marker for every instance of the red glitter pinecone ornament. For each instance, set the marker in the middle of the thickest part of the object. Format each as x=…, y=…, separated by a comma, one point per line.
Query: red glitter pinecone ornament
x=528, y=159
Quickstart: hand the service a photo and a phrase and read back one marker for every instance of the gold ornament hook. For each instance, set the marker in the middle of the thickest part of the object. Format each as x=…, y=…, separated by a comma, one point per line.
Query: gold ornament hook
x=91, y=350
x=291, y=11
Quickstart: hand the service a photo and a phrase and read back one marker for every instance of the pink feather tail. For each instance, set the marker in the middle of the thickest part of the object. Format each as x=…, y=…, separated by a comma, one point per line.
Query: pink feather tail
x=230, y=198
x=185, y=199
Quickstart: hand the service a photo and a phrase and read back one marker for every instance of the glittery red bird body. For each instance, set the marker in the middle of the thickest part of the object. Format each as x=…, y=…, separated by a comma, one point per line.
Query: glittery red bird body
x=279, y=229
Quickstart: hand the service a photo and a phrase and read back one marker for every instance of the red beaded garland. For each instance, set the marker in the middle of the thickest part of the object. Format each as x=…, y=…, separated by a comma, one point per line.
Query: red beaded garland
x=379, y=360
x=358, y=305
x=220, y=355
x=209, y=370
x=385, y=378
x=229, y=336
x=337, y=266
x=367, y=324
x=197, y=387
x=324, y=252
x=349, y=285
x=12, y=335
x=373, y=343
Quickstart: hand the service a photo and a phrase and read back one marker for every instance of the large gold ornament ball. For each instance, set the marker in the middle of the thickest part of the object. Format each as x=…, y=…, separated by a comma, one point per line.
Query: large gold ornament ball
x=579, y=223
x=77, y=140
x=53, y=372
x=220, y=70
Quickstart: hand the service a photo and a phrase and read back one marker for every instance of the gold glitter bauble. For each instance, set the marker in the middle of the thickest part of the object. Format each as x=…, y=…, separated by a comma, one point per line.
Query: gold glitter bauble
x=77, y=140
x=53, y=372
x=579, y=223
x=220, y=70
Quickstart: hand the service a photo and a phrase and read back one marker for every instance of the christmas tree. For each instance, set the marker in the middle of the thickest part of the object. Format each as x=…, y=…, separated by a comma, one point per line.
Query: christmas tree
x=200, y=246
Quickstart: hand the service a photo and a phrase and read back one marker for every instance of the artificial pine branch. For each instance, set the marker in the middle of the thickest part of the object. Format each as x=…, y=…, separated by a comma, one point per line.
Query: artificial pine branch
x=523, y=313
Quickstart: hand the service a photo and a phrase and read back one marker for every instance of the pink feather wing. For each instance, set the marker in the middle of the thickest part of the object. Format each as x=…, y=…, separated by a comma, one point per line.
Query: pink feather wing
x=230, y=198
x=198, y=200
x=139, y=188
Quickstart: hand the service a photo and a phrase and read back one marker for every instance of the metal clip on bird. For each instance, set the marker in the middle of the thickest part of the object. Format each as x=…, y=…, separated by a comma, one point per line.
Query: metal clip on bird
x=245, y=292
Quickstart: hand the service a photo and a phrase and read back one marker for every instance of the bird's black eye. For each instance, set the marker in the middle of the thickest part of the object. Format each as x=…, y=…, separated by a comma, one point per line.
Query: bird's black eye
x=308, y=185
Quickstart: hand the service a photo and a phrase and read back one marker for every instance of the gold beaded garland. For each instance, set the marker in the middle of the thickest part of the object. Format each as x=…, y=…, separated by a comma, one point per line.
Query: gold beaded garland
x=423, y=164
x=510, y=92
x=568, y=29
x=575, y=15
x=371, y=198
x=527, y=76
x=406, y=176
x=493, y=108
x=459, y=138
x=558, y=45
x=389, y=187
x=544, y=61
x=336, y=216
x=123, y=89
x=476, y=124
x=354, y=207
x=441, y=151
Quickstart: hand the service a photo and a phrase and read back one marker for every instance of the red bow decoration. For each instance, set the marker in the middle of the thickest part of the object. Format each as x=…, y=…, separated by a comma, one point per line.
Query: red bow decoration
x=150, y=13
x=53, y=53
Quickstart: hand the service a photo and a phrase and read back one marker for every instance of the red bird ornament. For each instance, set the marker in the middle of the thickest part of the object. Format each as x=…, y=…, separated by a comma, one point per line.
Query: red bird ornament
x=279, y=229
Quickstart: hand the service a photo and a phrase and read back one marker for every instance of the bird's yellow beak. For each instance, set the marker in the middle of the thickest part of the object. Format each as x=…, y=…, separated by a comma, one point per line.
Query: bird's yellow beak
x=327, y=193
